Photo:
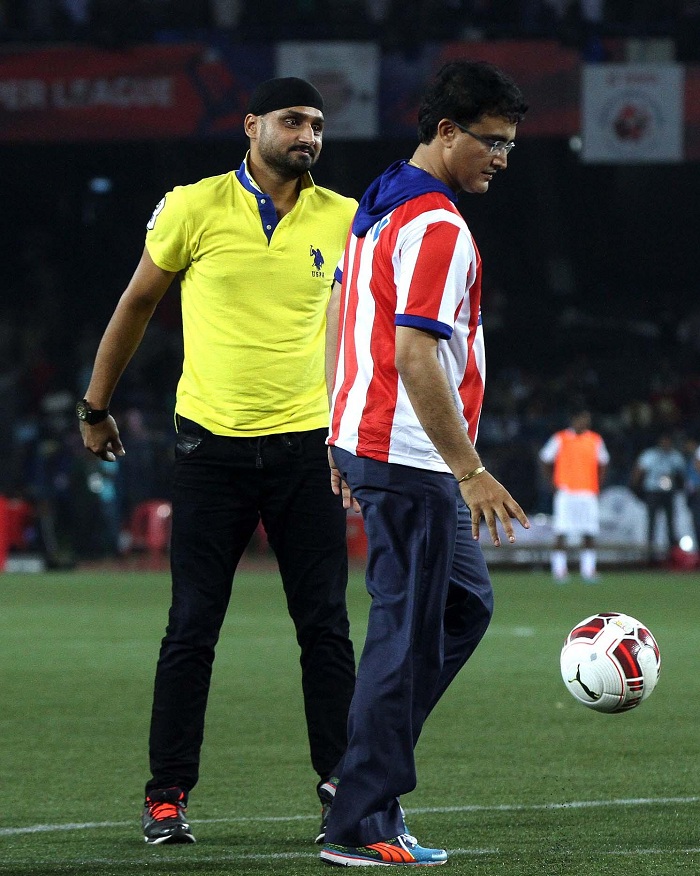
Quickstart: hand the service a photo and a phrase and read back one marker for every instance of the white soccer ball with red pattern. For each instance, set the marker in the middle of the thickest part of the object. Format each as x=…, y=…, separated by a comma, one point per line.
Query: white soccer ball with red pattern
x=610, y=662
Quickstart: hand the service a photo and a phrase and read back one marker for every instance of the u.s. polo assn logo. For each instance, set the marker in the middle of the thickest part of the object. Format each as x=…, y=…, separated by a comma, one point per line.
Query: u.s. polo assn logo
x=319, y=261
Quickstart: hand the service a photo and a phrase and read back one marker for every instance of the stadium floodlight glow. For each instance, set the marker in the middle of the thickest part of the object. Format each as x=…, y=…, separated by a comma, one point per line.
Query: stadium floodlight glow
x=687, y=544
x=100, y=185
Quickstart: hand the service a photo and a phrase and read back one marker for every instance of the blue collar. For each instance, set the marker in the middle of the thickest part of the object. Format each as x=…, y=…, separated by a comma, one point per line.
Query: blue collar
x=399, y=183
x=266, y=206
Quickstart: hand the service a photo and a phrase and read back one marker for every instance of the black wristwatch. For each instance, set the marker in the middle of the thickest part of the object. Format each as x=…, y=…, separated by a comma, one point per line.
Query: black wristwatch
x=85, y=412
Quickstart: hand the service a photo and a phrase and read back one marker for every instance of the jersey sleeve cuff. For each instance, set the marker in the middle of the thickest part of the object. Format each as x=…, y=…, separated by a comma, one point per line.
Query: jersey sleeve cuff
x=441, y=329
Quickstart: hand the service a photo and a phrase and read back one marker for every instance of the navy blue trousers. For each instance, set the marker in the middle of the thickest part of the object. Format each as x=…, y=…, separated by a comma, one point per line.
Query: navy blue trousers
x=222, y=488
x=431, y=604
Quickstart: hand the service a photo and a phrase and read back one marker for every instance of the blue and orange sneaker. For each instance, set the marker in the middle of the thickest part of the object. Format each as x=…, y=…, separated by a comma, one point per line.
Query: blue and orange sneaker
x=326, y=794
x=401, y=851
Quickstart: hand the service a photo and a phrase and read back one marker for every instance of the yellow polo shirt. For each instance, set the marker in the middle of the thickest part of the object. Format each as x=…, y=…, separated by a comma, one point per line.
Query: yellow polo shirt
x=254, y=297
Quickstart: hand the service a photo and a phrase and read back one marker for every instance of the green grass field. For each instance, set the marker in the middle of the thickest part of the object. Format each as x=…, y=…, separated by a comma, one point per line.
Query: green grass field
x=515, y=777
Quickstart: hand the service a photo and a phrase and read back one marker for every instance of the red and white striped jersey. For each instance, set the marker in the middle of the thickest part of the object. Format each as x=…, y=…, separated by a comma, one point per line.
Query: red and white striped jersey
x=416, y=266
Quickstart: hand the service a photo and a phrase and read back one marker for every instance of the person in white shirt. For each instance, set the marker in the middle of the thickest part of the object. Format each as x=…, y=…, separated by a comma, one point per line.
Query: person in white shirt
x=659, y=473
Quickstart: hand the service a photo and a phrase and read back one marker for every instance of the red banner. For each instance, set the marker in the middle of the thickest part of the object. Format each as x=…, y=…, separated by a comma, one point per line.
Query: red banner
x=197, y=90
x=692, y=112
x=145, y=92
x=548, y=73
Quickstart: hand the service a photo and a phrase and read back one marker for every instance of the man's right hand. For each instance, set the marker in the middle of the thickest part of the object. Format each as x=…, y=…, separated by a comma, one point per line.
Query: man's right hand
x=102, y=439
x=340, y=487
x=489, y=499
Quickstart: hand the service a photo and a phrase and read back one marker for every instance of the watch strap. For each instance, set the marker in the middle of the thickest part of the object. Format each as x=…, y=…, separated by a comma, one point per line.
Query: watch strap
x=90, y=415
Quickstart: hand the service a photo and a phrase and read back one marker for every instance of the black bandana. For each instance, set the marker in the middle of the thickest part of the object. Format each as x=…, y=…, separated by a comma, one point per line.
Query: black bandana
x=281, y=93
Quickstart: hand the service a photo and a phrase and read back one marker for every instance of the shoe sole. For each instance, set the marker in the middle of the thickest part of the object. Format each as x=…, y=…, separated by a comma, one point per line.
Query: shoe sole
x=339, y=860
x=172, y=839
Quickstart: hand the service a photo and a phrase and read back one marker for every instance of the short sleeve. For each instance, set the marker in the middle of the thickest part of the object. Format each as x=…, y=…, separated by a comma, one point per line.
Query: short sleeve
x=436, y=268
x=549, y=452
x=167, y=237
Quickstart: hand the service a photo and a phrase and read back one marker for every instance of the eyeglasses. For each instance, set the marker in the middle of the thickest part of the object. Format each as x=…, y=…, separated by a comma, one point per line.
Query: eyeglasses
x=494, y=146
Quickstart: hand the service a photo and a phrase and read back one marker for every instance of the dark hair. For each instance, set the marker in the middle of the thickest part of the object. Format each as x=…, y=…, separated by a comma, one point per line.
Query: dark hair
x=465, y=91
x=577, y=406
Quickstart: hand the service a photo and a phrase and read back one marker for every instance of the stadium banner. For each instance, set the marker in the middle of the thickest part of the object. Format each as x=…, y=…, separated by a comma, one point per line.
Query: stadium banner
x=79, y=93
x=632, y=113
x=347, y=75
x=200, y=90
x=547, y=72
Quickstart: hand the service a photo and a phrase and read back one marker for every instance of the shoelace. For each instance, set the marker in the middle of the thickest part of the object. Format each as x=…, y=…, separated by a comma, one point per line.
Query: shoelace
x=161, y=811
x=407, y=841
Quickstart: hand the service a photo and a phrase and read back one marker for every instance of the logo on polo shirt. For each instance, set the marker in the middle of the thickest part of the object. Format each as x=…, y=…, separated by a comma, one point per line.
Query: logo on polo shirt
x=319, y=261
x=152, y=221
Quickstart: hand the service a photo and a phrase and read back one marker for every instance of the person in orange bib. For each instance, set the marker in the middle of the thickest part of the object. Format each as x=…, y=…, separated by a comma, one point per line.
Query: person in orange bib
x=575, y=461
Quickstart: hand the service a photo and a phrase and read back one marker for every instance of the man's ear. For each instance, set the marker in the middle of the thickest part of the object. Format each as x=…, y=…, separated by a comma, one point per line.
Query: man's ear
x=250, y=125
x=446, y=131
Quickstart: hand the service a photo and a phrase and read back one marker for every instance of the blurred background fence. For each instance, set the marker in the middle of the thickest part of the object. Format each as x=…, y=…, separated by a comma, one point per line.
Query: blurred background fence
x=589, y=242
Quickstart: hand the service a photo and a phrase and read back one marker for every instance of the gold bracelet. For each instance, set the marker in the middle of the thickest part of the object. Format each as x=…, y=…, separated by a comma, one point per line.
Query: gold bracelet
x=471, y=474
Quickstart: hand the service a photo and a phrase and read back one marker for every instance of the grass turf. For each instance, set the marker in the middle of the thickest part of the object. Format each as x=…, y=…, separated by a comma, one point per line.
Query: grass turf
x=515, y=777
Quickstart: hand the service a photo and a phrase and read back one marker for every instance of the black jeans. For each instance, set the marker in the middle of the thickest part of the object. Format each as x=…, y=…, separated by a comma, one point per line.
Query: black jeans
x=222, y=488
x=660, y=501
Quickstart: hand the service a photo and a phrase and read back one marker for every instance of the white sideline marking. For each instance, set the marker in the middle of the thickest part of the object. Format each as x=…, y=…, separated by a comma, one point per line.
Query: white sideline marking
x=313, y=856
x=246, y=819
x=574, y=804
x=223, y=858
x=655, y=852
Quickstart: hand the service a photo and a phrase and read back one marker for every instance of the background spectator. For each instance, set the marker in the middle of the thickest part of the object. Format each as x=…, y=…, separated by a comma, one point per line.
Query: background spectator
x=659, y=473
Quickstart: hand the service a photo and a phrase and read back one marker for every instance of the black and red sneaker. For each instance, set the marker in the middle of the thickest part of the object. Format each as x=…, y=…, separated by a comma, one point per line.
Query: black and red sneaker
x=163, y=818
x=326, y=792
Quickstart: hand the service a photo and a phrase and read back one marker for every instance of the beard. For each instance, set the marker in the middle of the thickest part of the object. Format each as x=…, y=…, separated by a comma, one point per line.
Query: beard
x=290, y=164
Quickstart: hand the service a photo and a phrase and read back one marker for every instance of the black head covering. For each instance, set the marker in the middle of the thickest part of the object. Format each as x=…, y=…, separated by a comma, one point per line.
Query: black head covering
x=280, y=93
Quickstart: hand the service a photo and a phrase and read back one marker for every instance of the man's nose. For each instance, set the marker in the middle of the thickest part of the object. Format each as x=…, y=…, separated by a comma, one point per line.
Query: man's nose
x=307, y=133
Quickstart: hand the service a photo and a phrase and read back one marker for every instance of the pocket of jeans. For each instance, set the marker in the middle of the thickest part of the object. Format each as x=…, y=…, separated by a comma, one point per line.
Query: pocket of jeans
x=185, y=445
x=292, y=444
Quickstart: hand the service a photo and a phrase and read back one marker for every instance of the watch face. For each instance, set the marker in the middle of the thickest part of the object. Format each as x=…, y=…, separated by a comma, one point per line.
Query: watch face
x=88, y=414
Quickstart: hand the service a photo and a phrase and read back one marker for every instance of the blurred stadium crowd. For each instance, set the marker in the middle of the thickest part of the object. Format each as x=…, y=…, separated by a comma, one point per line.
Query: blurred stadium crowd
x=397, y=24
x=47, y=348
x=49, y=331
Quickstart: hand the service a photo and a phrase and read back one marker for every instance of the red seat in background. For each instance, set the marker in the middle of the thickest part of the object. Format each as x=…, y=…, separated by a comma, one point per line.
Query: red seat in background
x=150, y=526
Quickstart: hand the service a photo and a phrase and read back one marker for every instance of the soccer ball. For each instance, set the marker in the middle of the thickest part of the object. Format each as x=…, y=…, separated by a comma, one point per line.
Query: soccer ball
x=610, y=662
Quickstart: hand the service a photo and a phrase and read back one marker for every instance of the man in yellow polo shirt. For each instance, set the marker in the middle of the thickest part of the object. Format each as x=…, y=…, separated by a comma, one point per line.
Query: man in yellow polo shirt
x=255, y=251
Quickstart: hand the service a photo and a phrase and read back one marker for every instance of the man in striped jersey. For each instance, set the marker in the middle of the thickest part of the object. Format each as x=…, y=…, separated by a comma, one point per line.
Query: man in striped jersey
x=407, y=395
